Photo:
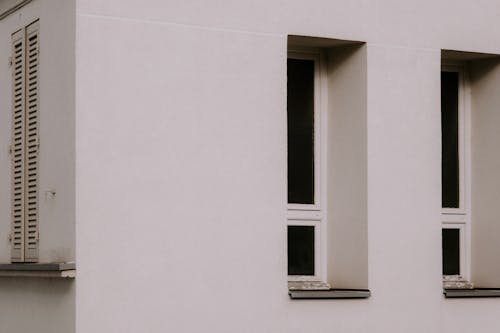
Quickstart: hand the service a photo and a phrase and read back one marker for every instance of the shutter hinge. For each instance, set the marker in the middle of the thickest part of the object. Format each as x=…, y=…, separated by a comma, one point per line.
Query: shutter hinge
x=38, y=235
x=10, y=149
x=10, y=237
x=11, y=62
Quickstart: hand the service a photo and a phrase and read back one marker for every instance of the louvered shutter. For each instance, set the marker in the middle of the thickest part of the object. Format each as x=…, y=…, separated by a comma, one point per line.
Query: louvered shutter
x=18, y=146
x=31, y=145
x=24, y=147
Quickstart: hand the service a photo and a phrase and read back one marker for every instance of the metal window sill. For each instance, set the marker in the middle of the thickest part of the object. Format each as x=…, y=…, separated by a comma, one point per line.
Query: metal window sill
x=329, y=294
x=42, y=270
x=471, y=293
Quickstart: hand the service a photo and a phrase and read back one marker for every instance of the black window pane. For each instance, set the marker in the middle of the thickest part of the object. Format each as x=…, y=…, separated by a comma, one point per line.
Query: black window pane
x=449, y=132
x=300, y=250
x=300, y=115
x=451, y=251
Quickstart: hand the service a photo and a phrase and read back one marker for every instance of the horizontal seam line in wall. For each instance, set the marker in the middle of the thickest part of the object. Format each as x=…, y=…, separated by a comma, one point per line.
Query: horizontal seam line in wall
x=176, y=24
x=13, y=9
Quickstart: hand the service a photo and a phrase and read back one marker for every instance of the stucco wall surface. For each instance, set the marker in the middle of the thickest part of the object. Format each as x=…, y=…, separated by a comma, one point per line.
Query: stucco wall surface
x=56, y=135
x=181, y=160
x=35, y=304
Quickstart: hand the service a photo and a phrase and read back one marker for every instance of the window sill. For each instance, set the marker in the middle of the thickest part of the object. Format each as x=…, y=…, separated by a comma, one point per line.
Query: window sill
x=329, y=294
x=471, y=293
x=308, y=285
x=456, y=282
x=42, y=270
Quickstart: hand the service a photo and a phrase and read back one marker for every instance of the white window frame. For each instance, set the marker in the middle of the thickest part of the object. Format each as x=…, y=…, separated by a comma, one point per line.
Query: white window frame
x=317, y=249
x=459, y=218
x=314, y=214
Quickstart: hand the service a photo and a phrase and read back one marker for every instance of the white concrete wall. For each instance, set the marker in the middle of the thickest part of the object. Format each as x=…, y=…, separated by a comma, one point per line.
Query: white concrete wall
x=37, y=305
x=404, y=191
x=31, y=304
x=57, y=151
x=181, y=159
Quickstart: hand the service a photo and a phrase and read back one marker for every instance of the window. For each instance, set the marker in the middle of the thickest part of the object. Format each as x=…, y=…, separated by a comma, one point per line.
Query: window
x=24, y=145
x=305, y=193
x=470, y=187
x=327, y=241
x=455, y=168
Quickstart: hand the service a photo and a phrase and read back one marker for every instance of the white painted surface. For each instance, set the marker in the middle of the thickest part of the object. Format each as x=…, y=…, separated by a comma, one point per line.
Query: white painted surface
x=404, y=191
x=485, y=79
x=181, y=188
x=56, y=213
x=37, y=305
x=347, y=167
x=33, y=304
x=180, y=185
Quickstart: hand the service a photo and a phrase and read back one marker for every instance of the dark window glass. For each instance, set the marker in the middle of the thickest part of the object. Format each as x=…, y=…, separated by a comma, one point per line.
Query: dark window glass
x=449, y=132
x=300, y=115
x=451, y=251
x=300, y=250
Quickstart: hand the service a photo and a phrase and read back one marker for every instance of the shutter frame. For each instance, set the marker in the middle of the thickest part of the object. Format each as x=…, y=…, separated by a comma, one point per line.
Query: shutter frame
x=31, y=144
x=25, y=144
x=18, y=146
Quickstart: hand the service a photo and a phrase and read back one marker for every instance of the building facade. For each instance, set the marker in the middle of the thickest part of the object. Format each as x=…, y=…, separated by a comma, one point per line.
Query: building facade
x=249, y=166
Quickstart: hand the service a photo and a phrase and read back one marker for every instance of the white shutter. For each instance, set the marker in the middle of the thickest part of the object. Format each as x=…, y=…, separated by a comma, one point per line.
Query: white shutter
x=24, y=147
x=31, y=145
x=18, y=146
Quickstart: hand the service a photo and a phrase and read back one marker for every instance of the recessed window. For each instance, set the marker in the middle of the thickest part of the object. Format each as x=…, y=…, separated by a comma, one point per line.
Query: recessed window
x=326, y=164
